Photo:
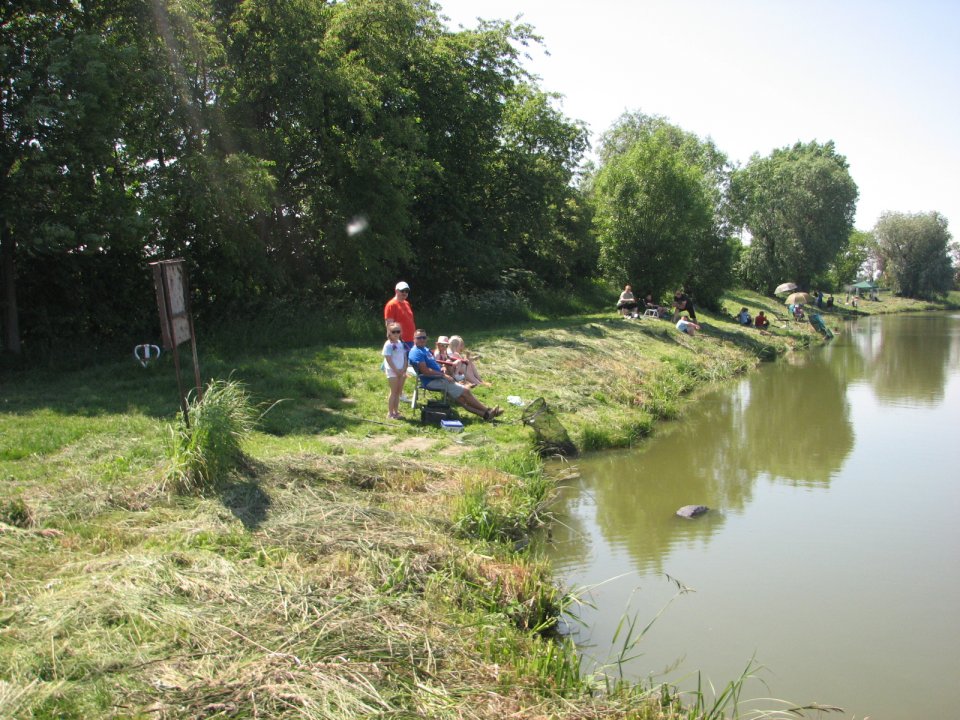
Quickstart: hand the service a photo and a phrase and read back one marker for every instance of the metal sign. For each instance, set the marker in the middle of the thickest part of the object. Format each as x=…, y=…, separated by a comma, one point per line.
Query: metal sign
x=176, y=323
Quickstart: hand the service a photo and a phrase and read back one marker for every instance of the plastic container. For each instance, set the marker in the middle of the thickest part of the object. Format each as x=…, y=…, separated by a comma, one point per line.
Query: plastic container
x=452, y=425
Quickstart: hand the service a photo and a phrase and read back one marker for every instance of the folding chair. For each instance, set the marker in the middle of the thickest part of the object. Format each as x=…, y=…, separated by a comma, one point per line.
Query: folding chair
x=420, y=386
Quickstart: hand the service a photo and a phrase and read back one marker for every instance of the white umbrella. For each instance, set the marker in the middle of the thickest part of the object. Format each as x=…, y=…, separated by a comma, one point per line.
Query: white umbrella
x=785, y=287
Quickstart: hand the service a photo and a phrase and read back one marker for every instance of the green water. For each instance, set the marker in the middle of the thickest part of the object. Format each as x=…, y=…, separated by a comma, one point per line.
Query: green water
x=830, y=554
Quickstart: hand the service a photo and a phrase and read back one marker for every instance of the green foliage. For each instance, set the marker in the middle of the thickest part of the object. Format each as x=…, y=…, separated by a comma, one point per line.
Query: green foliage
x=847, y=266
x=798, y=205
x=505, y=514
x=205, y=449
x=16, y=512
x=915, y=252
x=304, y=153
x=652, y=207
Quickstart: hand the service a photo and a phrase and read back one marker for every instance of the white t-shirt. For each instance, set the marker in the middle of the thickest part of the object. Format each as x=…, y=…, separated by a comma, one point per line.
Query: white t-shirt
x=398, y=352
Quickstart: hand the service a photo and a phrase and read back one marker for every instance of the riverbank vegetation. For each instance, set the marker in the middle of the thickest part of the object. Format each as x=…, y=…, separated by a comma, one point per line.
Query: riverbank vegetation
x=304, y=157
x=333, y=564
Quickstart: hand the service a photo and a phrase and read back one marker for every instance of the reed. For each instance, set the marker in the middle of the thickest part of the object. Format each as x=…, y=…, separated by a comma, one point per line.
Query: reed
x=206, y=444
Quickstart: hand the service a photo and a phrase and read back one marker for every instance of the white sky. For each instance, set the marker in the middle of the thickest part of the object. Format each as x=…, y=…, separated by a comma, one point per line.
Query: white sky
x=881, y=78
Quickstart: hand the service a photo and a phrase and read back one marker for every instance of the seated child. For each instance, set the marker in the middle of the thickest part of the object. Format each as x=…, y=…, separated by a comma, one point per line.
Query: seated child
x=688, y=326
x=761, y=323
x=442, y=356
x=743, y=317
x=466, y=367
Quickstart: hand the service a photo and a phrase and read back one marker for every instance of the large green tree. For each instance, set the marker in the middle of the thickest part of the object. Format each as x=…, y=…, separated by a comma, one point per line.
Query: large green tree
x=689, y=246
x=915, y=251
x=798, y=205
x=848, y=266
x=301, y=151
x=652, y=207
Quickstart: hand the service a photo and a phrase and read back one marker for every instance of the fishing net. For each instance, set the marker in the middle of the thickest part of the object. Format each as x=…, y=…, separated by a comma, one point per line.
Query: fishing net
x=552, y=437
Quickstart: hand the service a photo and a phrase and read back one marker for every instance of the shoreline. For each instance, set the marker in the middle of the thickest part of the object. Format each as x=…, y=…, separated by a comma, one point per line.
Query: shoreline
x=352, y=566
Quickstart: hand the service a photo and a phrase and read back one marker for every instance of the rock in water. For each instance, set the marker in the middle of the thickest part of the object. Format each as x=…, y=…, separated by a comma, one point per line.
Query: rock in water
x=692, y=511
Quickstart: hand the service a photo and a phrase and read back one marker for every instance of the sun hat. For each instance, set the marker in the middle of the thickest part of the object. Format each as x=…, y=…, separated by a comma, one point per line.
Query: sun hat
x=401, y=286
x=443, y=340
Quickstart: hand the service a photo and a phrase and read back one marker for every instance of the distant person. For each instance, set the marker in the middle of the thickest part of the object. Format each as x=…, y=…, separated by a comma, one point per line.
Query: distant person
x=761, y=322
x=650, y=304
x=426, y=366
x=681, y=302
x=854, y=302
x=398, y=310
x=743, y=317
x=395, y=365
x=627, y=304
x=687, y=326
x=830, y=302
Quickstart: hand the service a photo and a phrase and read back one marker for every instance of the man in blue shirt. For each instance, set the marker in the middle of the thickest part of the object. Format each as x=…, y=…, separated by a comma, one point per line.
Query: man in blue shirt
x=422, y=360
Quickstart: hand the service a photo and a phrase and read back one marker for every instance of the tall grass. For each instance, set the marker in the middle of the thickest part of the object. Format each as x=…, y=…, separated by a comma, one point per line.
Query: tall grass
x=207, y=443
x=494, y=511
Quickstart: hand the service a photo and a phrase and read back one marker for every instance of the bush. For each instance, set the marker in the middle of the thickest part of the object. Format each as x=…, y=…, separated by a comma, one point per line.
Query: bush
x=208, y=447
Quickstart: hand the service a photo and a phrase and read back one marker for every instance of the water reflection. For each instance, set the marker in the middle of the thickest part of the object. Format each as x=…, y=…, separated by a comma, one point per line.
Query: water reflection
x=911, y=363
x=773, y=424
x=790, y=458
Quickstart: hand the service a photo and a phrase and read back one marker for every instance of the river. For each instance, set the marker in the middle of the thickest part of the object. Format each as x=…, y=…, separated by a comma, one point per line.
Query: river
x=830, y=553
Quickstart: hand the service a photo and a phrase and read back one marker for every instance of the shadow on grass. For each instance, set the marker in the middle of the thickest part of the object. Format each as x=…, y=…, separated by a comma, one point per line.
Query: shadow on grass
x=309, y=401
x=247, y=501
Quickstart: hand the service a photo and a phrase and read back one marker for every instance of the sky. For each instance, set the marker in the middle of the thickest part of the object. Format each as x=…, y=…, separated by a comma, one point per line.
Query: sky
x=880, y=78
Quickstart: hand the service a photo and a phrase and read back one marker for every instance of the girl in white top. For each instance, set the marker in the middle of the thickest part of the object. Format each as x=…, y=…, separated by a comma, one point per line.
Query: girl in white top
x=395, y=364
x=466, y=368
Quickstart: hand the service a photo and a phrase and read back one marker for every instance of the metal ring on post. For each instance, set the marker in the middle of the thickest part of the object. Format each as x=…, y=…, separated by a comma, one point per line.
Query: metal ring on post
x=144, y=353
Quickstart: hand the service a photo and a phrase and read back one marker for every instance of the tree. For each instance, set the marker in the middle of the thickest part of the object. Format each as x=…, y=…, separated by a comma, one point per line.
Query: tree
x=652, y=207
x=849, y=264
x=798, y=205
x=65, y=205
x=706, y=241
x=916, y=253
x=713, y=247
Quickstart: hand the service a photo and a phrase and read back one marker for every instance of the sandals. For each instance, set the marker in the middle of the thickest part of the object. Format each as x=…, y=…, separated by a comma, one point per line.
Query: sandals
x=493, y=412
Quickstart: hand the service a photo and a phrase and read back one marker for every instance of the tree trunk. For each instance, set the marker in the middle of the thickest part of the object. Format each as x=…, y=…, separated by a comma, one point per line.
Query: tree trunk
x=8, y=275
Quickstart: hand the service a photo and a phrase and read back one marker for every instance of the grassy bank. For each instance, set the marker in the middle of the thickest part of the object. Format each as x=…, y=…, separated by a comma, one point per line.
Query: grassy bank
x=350, y=566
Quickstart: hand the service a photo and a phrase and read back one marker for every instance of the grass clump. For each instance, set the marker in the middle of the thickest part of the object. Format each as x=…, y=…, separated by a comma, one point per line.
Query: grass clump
x=207, y=442
x=16, y=512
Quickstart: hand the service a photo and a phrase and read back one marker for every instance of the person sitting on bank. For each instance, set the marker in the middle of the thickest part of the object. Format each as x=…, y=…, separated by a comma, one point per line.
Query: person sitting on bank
x=627, y=304
x=688, y=326
x=681, y=302
x=743, y=317
x=830, y=302
x=427, y=367
x=465, y=369
x=761, y=323
x=798, y=312
x=442, y=356
x=650, y=304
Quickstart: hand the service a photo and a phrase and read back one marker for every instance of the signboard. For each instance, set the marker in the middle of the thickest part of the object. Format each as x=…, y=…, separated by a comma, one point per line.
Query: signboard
x=169, y=277
x=176, y=324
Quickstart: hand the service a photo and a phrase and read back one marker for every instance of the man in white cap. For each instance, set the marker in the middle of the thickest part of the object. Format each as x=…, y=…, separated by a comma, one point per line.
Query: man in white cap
x=398, y=310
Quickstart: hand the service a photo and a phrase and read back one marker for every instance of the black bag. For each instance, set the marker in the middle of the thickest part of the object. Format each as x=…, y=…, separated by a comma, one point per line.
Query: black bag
x=435, y=411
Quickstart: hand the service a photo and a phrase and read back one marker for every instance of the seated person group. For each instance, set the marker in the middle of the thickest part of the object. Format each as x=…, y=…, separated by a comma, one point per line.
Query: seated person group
x=451, y=371
x=630, y=307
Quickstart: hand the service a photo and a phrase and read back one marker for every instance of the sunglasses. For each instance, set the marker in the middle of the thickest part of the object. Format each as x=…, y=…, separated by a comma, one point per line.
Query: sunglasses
x=420, y=337
x=394, y=332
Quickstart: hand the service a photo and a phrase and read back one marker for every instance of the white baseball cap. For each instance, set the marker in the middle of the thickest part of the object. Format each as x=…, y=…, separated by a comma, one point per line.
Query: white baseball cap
x=401, y=286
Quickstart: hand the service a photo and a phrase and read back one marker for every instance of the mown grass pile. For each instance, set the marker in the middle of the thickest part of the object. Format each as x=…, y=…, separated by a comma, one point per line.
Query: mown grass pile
x=325, y=564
